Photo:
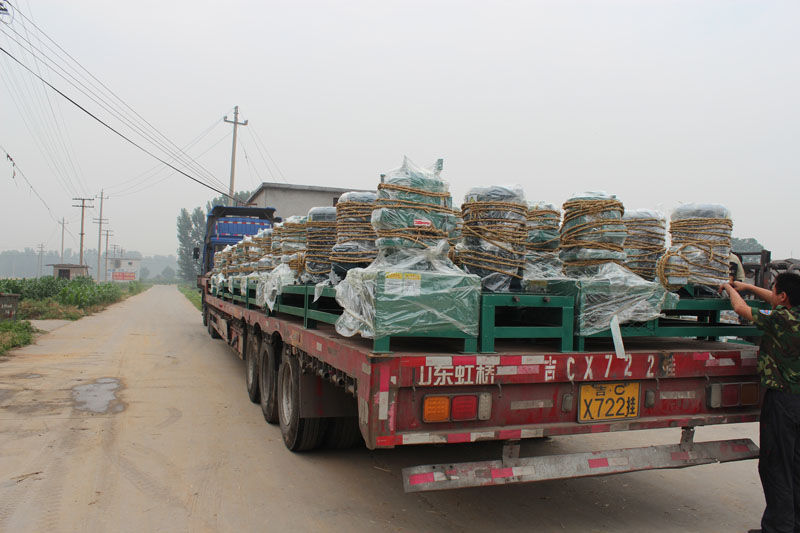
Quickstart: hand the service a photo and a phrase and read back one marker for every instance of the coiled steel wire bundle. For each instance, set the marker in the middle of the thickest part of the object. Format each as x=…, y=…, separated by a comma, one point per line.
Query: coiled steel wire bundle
x=646, y=241
x=264, y=240
x=592, y=233
x=413, y=209
x=494, y=235
x=700, y=247
x=355, y=236
x=293, y=242
x=320, y=238
x=541, y=246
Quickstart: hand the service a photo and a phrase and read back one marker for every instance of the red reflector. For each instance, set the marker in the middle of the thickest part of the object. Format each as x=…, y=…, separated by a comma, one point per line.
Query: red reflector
x=730, y=395
x=464, y=408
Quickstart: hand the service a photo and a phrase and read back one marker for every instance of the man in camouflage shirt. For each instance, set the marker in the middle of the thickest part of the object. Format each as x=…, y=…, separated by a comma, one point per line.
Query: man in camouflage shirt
x=779, y=368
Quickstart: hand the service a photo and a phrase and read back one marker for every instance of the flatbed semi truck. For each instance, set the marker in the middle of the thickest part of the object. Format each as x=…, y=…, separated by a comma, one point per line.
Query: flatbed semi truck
x=509, y=384
x=325, y=389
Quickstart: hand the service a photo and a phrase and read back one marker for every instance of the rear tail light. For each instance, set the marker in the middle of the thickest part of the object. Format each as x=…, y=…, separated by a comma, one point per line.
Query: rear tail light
x=732, y=394
x=436, y=409
x=457, y=408
x=464, y=408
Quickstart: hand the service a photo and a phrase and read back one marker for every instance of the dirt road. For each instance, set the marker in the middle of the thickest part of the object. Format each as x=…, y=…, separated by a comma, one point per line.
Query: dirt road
x=135, y=420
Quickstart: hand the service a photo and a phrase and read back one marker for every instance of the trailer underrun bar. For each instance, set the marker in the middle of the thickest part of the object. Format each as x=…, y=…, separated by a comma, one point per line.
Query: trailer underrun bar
x=513, y=469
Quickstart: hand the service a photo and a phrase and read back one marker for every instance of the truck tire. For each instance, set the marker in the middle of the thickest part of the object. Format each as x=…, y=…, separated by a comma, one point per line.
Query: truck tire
x=268, y=382
x=251, y=364
x=211, y=330
x=298, y=433
x=343, y=432
x=205, y=315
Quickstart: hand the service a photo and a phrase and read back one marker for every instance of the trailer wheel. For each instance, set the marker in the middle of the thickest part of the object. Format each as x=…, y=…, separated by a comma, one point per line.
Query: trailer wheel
x=298, y=433
x=251, y=353
x=343, y=432
x=211, y=331
x=268, y=382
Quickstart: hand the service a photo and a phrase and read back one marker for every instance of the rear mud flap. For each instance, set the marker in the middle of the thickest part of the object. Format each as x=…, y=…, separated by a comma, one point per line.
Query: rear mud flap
x=512, y=469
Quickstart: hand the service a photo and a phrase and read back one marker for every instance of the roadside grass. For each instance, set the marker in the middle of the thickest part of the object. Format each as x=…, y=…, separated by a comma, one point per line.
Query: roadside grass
x=48, y=309
x=76, y=300
x=15, y=333
x=192, y=294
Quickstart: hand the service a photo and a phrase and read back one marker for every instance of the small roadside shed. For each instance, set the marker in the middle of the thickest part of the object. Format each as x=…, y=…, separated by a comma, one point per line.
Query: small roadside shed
x=69, y=271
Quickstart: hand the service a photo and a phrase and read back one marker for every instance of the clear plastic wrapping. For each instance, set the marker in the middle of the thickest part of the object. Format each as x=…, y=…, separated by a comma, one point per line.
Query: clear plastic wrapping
x=270, y=286
x=409, y=290
x=320, y=238
x=413, y=209
x=613, y=290
x=700, y=247
x=355, y=236
x=494, y=235
x=646, y=241
x=541, y=257
x=592, y=232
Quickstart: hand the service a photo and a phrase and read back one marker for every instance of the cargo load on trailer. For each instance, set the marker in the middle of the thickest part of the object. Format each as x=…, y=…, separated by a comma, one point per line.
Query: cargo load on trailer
x=398, y=319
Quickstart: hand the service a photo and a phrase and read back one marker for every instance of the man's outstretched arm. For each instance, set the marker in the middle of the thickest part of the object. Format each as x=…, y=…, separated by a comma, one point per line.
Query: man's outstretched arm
x=737, y=302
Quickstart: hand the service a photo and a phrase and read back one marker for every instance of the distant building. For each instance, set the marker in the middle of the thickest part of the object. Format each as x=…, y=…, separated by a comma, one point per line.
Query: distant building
x=68, y=271
x=123, y=269
x=288, y=199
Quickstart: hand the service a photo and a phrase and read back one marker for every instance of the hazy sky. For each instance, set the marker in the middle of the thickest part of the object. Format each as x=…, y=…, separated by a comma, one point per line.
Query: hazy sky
x=658, y=102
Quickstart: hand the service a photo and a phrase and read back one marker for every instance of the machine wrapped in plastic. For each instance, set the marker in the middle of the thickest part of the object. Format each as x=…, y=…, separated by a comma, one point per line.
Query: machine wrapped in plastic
x=413, y=209
x=646, y=241
x=409, y=290
x=592, y=232
x=320, y=238
x=543, y=240
x=700, y=247
x=355, y=236
x=613, y=290
x=494, y=235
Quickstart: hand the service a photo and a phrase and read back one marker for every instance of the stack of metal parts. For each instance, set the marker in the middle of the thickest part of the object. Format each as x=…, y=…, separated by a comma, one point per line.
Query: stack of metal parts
x=293, y=242
x=700, y=247
x=541, y=249
x=413, y=210
x=646, y=241
x=320, y=238
x=355, y=236
x=592, y=233
x=411, y=288
x=494, y=235
x=264, y=241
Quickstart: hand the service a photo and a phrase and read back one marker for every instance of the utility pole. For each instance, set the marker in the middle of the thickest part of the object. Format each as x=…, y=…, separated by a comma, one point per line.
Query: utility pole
x=63, y=223
x=105, y=271
x=100, y=222
x=83, y=207
x=236, y=124
x=41, y=250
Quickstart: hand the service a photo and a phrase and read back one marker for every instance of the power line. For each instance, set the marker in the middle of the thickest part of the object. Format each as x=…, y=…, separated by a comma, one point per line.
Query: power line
x=105, y=103
x=134, y=143
x=113, y=112
x=136, y=188
x=17, y=169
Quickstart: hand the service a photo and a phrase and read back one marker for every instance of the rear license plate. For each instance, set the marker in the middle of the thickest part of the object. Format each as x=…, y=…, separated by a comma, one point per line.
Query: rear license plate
x=608, y=401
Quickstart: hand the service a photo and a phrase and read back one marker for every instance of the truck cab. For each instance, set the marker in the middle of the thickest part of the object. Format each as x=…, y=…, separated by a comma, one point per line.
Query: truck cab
x=227, y=225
